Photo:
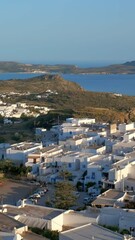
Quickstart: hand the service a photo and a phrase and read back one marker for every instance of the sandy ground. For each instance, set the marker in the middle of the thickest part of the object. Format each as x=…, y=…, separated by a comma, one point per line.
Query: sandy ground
x=12, y=191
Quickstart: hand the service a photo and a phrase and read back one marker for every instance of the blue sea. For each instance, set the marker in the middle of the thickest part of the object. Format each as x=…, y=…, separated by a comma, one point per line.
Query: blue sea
x=115, y=83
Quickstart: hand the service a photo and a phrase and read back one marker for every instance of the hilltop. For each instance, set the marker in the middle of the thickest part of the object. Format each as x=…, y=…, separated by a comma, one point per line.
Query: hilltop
x=39, y=84
x=62, y=95
x=124, y=68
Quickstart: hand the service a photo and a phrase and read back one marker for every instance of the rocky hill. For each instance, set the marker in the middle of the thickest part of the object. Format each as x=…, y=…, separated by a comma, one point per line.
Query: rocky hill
x=61, y=95
x=39, y=84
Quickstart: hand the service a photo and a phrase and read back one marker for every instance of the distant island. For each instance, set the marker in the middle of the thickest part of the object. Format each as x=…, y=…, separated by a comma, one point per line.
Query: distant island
x=125, y=68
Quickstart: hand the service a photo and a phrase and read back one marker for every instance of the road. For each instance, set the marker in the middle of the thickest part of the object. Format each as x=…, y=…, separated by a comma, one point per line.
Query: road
x=12, y=191
x=49, y=196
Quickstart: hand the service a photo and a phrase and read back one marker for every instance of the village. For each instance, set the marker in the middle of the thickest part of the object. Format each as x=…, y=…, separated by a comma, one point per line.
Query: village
x=100, y=158
x=18, y=109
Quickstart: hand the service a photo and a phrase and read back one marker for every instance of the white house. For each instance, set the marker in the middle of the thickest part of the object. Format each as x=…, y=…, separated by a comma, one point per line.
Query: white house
x=121, y=218
x=68, y=130
x=40, y=134
x=82, y=141
x=3, y=147
x=94, y=174
x=69, y=161
x=19, y=152
x=126, y=127
x=79, y=121
x=36, y=216
x=94, y=149
x=121, y=174
x=121, y=148
x=129, y=136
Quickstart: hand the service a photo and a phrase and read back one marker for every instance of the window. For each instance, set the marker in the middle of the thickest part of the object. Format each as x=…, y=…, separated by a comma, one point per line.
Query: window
x=34, y=160
x=69, y=165
x=93, y=175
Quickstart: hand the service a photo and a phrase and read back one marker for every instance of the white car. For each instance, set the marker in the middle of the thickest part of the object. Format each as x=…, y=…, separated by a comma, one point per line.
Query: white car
x=36, y=195
x=41, y=193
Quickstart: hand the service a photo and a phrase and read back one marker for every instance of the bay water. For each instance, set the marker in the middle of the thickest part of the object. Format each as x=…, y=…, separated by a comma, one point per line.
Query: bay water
x=114, y=83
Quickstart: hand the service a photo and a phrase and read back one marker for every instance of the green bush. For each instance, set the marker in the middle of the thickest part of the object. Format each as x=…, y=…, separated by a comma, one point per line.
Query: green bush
x=52, y=235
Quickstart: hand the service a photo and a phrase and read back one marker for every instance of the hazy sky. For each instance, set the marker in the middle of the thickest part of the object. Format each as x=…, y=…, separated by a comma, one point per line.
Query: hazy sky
x=60, y=31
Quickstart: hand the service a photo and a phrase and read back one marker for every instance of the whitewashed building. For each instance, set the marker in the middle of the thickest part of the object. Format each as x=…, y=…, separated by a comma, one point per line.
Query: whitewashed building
x=19, y=152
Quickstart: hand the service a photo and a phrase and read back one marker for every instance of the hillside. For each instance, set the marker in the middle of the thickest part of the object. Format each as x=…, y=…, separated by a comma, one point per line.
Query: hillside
x=62, y=95
x=21, y=67
x=38, y=85
x=125, y=68
x=132, y=63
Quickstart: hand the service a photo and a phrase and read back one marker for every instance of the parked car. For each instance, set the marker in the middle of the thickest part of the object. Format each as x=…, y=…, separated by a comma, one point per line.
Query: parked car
x=45, y=190
x=36, y=195
x=34, y=183
x=41, y=193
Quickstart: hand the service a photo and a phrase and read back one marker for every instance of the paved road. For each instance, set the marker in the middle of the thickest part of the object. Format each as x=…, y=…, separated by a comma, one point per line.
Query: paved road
x=12, y=191
x=51, y=193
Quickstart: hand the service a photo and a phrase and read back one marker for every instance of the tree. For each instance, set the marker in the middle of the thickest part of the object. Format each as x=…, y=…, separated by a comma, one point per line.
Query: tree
x=79, y=186
x=10, y=169
x=65, y=174
x=52, y=235
x=64, y=197
x=89, y=184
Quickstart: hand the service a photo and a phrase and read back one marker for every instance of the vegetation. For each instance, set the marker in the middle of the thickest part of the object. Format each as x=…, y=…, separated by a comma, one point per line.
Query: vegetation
x=66, y=175
x=130, y=205
x=64, y=197
x=79, y=186
x=17, y=132
x=112, y=228
x=70, y=101
x=116, y=229
x=89, y=184
x=9, y=169
x=52, y=235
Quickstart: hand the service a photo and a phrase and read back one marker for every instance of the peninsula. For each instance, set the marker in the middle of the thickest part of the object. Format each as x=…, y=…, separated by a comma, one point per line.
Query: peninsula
x=124, y=68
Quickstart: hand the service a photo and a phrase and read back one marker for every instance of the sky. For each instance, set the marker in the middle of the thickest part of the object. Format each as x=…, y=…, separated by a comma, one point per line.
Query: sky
x=67, y=31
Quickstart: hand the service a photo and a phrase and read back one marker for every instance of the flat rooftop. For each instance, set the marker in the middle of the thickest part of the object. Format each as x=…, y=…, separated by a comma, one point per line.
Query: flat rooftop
x=34, y=211
x=47, y=149
x=24, y=146
x=129, y=144
x=32, y=236
x=129, y=158
x=93, y=147
x=91, y=232
x=7, y=224
x=108, y=198
x=100, y=160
